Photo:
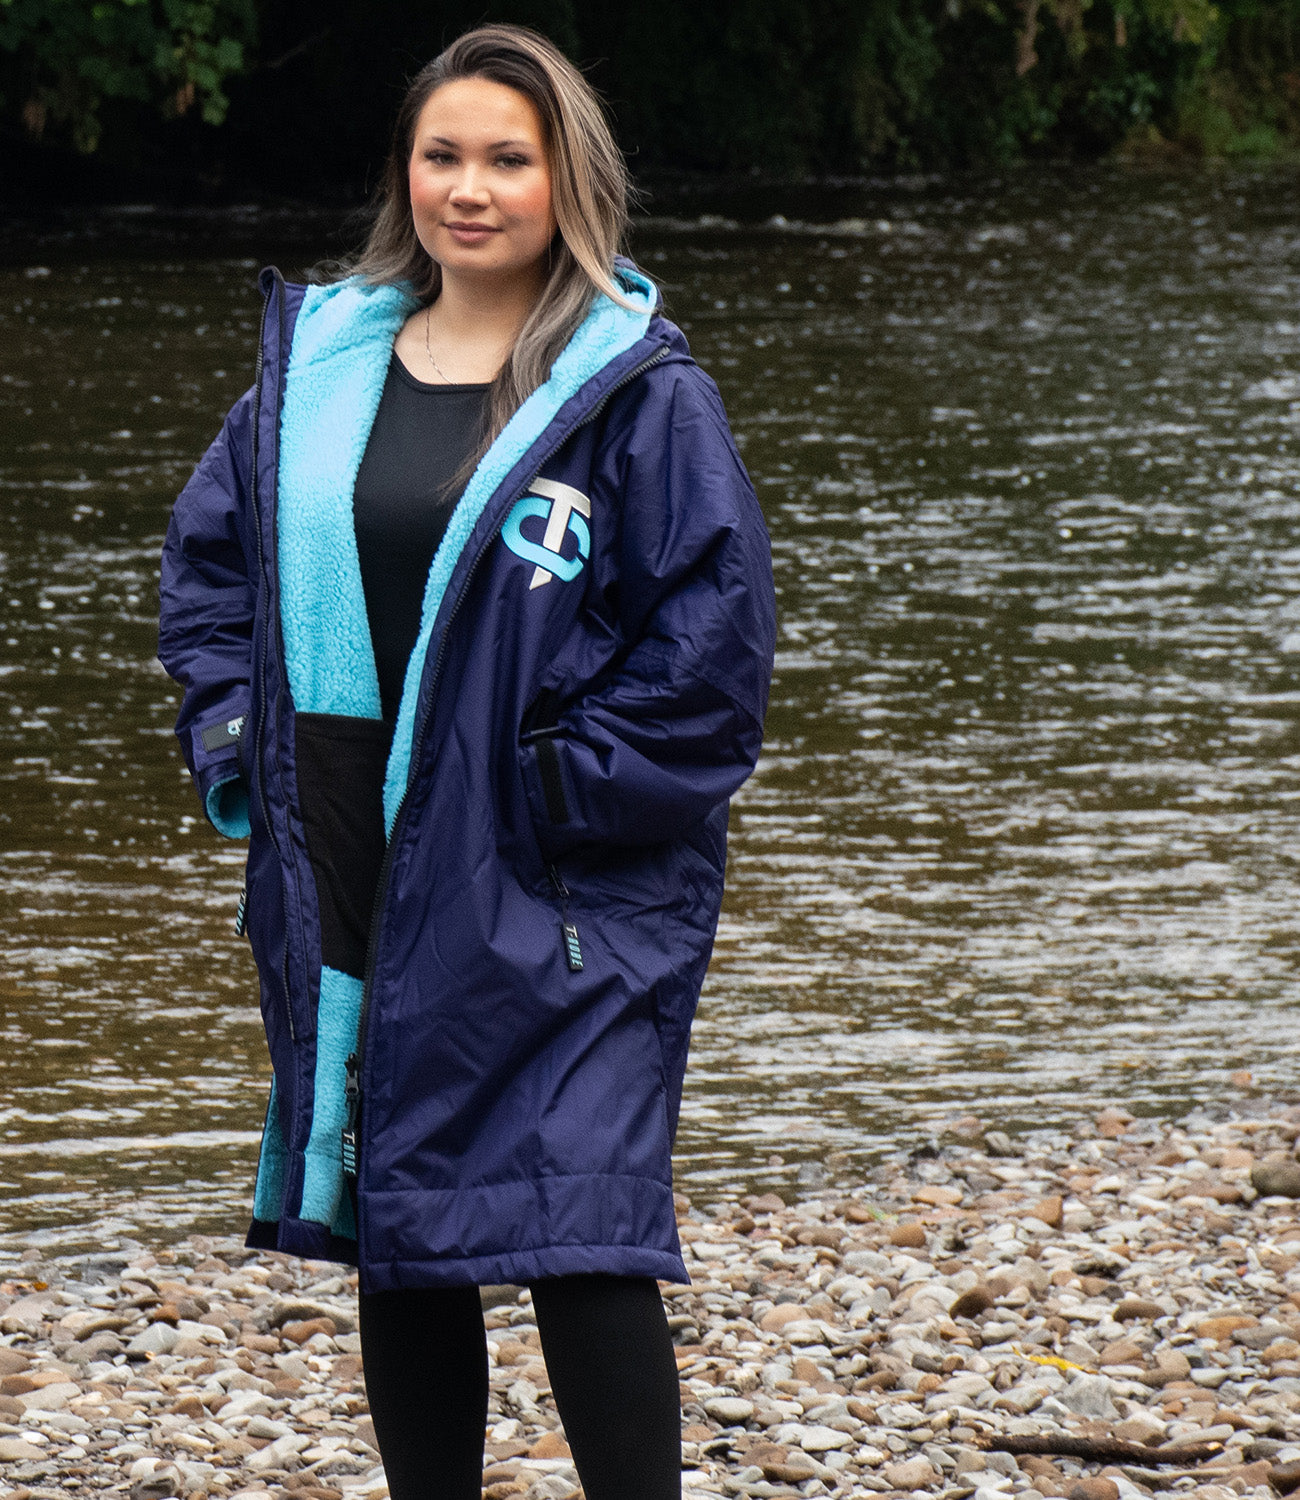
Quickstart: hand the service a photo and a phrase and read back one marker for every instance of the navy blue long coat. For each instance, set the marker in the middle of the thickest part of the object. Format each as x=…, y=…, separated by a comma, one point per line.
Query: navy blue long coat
x=501, y=1068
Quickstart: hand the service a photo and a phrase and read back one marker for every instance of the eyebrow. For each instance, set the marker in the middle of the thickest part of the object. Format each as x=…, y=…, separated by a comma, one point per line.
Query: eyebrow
x=444, y=140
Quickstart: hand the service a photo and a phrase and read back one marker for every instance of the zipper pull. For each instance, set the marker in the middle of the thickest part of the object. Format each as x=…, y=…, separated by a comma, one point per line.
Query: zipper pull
x=572, y=948
x=352, y=1105
x=568, y=932
x=241, y=913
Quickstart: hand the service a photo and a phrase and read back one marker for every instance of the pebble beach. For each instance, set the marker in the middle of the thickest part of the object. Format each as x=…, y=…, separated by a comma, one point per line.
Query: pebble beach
x=1103, y=1312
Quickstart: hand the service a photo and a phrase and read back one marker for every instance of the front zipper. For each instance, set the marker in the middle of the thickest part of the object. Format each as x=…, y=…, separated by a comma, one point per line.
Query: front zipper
x=260, y=726
x=353, y=1068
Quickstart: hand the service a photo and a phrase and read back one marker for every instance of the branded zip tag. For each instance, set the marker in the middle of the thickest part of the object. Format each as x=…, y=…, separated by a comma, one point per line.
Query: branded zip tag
x=351, y=1104
x=572, y=948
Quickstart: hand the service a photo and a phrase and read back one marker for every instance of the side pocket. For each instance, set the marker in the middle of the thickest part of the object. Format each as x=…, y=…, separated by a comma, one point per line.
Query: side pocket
x=548, y=768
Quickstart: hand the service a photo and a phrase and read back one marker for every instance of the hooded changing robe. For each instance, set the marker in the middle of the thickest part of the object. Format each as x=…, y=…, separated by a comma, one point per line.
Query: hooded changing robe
x=502, y=1069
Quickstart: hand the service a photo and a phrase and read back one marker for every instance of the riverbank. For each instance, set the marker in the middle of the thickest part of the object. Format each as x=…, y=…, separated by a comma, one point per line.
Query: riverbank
x=1128, y=1291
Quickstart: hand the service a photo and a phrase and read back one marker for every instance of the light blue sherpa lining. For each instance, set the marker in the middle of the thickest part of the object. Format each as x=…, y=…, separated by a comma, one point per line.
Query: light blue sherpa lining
x=342, y=344
x=227, y=808
x=323, y=1198
x=270, y=1164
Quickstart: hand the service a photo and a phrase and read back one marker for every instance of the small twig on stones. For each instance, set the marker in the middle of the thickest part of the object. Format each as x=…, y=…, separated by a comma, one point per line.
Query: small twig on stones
x=1099, y=1450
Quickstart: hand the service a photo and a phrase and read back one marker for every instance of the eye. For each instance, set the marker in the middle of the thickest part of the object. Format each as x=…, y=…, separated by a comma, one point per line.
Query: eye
x=438, y=156
x=512, y=159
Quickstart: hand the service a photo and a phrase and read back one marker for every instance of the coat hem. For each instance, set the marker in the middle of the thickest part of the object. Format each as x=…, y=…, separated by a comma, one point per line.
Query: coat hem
x=524, y=1267
x=302, y=1238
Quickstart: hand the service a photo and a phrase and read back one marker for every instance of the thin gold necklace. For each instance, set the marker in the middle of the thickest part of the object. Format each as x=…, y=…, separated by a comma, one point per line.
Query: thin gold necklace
x=428, y=313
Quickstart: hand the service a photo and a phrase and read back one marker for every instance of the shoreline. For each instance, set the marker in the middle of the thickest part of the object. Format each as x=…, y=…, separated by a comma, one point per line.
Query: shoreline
x=1129, y=1281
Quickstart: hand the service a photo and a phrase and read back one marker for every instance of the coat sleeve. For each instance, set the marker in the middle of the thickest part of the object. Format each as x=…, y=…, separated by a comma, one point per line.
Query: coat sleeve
x=205, y=628
x=645, y=755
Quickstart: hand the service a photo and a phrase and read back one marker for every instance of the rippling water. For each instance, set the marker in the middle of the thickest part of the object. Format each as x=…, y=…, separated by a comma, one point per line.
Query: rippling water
x=1027, y=828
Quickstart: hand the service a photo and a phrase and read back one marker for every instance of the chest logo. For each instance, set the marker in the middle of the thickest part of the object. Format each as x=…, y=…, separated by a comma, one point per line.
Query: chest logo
x=565, y=512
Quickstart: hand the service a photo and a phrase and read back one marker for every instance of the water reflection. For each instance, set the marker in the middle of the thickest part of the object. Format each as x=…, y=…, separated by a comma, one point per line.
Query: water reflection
x=1025, y=830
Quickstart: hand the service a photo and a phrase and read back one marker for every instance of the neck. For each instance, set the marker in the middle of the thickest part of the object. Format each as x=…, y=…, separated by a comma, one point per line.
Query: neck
x=475, y=310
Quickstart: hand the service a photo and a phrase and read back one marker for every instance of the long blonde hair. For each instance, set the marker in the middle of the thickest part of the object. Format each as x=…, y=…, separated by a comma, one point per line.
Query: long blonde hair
x=589, y=192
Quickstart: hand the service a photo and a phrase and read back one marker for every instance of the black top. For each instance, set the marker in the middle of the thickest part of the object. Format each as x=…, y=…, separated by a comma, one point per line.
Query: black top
x=401, y=506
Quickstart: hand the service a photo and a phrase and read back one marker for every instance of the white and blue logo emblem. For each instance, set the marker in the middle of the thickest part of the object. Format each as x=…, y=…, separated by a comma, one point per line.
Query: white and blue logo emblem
x=565, y=512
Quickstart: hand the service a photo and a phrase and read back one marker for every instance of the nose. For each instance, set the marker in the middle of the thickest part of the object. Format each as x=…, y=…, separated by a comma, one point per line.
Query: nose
x=470, y=186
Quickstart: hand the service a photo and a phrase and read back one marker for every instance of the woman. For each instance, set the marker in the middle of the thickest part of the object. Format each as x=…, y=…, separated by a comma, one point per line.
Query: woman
x=472, y=604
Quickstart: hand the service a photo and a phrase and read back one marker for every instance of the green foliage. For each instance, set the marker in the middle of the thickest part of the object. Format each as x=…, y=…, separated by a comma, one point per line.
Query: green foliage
x=63, y=60
x=778, y=87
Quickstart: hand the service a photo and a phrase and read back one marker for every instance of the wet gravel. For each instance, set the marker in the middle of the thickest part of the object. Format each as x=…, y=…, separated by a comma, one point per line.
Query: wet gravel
x=1124, y=1282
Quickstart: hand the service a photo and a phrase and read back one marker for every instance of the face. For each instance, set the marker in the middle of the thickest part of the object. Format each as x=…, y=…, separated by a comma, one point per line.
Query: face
x=480, y=183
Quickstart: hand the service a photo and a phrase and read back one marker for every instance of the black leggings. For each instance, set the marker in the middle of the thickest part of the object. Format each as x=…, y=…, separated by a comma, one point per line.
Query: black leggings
x=609, y=1357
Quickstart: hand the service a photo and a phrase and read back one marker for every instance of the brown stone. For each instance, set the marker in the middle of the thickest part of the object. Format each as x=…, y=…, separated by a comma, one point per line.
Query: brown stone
x=971, y=1303
x=299, y=1333
x=505, y=1488
x=16, y=1385
x=1112, y=1123
x=765, y=1203
x=500, y=1452
x=697, y=1432
x=550, y=1445
x=914, y=1474
x=1094, y=1487
x=1047, y=1478
x=908, y=1236
x=1285, y=1478
x=805, y=1370
x=795, y=1470
x=1248, y=1476
x=767, y=1455
x=496, y=1473
x=1224, y=1327
x=1139, y=1307
x=825, y=1235
x=12, y=1361
x=260, y=1343
x=937, y=1196
x=365, y=1430
x=1050, y=1210
x=191, y=1406
x=1170, y=1367
x=1276, y=1176
x=776, y=1318
x=347, y=1367
x=862, y=1410
x=1121, y=1352
x=1034, y=1465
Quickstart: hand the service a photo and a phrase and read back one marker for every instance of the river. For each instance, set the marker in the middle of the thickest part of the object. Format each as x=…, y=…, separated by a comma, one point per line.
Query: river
x=1026, y=833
